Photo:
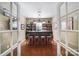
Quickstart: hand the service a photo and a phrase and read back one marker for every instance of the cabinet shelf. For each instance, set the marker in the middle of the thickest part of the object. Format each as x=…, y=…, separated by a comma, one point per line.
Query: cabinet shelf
x=45, y=26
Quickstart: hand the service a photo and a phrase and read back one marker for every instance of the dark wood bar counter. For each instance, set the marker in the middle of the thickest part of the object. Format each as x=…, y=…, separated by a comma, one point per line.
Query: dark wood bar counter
x=39, y=33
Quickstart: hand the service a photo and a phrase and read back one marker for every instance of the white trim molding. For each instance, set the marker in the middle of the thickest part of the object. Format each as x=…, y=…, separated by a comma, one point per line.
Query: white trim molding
x=72, y=51
x=9, y=50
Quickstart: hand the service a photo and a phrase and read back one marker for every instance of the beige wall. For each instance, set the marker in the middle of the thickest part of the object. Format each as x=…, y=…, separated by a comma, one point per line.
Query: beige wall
x=55, y=28
x=5, y=41
x=4, y=22
x=22, y=33
x=5, y=38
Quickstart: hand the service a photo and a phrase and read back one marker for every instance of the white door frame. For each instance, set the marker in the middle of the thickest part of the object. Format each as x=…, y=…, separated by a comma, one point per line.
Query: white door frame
x=58, y=29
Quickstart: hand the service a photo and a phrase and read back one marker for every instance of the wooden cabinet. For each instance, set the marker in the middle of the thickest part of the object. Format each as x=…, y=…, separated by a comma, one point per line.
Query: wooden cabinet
x=30, y=27
x=47, y=26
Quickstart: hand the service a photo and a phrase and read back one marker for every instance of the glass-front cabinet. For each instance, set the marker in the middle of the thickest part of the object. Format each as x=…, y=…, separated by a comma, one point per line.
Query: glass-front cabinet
x=8, y=26
x=69, y=17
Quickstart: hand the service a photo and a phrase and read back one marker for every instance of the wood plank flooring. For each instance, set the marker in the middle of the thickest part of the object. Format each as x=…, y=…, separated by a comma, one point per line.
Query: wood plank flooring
x=38, y=51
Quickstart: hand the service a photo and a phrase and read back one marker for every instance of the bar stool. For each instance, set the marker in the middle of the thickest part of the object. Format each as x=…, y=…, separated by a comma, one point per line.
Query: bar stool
x=36, y=41
x=49, y=39
x=43, y=41
x=30, y=38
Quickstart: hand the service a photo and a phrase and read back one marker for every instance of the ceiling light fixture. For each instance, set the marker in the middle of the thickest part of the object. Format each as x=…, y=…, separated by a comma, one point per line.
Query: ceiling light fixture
x=39, y=14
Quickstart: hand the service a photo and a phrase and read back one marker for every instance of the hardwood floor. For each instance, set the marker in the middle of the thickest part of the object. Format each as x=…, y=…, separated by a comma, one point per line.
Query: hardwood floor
x=38, y=51
x=63, y=52
x=41, y=51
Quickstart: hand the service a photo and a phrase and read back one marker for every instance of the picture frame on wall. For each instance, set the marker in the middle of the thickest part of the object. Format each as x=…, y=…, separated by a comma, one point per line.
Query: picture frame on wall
x=22, y=26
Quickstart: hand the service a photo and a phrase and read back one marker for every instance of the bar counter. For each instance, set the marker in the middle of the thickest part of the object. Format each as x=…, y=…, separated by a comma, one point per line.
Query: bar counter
x=39, y=33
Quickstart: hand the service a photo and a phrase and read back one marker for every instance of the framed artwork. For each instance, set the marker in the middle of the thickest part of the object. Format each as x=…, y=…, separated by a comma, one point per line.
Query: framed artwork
x=22, y=26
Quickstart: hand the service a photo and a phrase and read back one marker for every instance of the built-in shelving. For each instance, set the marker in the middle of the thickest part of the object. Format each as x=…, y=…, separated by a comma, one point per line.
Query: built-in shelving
x=32, y=27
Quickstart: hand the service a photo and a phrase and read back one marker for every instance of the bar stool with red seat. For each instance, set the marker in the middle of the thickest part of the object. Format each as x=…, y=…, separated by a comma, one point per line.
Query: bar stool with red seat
x=43, y=41
x=36, y=41
x=30, y=38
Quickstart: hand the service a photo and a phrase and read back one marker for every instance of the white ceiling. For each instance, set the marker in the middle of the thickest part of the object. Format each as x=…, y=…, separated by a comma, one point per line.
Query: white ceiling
x=29, y=9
